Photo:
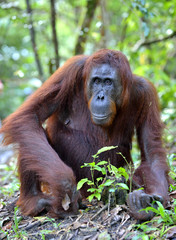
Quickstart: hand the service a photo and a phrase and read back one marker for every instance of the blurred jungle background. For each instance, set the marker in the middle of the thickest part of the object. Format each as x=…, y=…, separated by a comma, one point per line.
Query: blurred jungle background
x=38, y=36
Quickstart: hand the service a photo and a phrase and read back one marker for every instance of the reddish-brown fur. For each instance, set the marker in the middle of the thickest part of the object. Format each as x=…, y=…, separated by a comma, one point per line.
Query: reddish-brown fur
x=55, y=155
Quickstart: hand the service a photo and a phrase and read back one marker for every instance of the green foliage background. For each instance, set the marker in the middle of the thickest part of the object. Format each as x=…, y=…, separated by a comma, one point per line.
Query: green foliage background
x=122, y=25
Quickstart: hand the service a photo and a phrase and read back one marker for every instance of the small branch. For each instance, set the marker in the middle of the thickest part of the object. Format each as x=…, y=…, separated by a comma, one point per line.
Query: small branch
x=124, y=220
x=99, y=212
x=142, y=43
x=32, y=225
x=54, y=32
x=91, y=7
x=33, y=39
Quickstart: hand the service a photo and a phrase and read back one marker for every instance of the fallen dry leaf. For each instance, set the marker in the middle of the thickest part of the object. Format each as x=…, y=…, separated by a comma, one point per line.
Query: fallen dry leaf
x=66, y=202
x=7, y=226
x=171, y=233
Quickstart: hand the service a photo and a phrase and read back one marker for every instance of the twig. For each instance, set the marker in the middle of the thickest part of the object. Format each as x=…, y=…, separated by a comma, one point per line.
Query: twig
x=78, y=218
x=123, y=222
x=142, y=43
x=35, y=224
x=109, y=202
x=100, y=211
x=126, y=232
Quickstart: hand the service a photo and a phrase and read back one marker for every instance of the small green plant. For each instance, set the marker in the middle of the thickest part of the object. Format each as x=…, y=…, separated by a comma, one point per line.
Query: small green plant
x=44, y=232
x=53, y=221
x=172, y=188
x=172, y=173
x=146, y=232
x=158, y=226
x=18, y=233
x=15, y=232
x=166, y=216
x=8, y=178
x=106, y=169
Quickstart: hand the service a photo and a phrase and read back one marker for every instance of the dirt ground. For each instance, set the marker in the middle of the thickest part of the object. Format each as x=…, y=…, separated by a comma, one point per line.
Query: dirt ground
x=97, y=222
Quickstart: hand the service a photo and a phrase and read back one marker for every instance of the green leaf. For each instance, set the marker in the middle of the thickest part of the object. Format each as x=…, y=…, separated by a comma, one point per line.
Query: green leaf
x=112, y=190
x=103, y=170
x=85, y=165
x=90, y=183
x=91, y=190
x=97, y=195
x=97, y=168
x=161, y=209
x=90, y=197
x=114, y=169
x=175, y=210
x=108, y=182
x=123, y=186
x=104, y=149
x=99, y=179
x=122, y=171
x=147, y=209
x=102, y=163
x=81, y=183
x=92, y=164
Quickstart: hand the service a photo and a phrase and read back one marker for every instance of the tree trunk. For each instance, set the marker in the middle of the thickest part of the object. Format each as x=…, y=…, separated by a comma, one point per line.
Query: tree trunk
x=105, y=34
x=91, y=6
x=33, y=39
x=54, y=32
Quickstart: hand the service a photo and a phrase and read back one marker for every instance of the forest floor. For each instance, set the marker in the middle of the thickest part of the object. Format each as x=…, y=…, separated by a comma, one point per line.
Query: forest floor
x=96, y=222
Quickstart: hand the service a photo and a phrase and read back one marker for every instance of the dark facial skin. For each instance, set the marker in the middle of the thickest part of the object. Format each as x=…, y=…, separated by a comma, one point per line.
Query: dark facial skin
x=104, y=91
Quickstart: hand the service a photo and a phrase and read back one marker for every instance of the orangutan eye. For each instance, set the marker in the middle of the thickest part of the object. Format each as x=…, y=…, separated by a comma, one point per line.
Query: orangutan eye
x=96, y=80
x=108, y=81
